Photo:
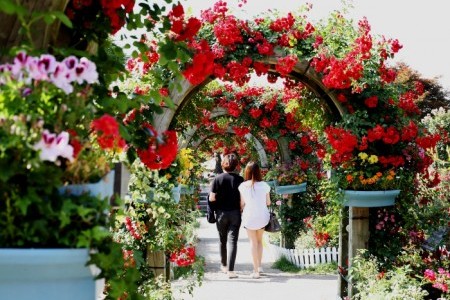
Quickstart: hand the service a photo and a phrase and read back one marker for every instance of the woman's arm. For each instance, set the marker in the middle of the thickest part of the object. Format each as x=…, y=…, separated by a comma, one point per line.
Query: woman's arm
x=242, y=203
x=268, y=199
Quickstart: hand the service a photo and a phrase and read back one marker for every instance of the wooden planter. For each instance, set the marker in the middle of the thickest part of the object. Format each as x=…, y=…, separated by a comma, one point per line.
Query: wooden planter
x=156, y=261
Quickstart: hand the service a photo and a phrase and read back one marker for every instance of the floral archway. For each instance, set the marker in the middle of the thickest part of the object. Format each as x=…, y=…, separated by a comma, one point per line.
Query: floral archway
x=373, y=134
x=374, y=138
x=345, y=67
x=256, y=145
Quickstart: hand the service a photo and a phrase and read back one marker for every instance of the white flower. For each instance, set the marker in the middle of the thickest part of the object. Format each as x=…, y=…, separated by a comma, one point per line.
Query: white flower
x=60, y=78
x=70, y=62
x=52, y=146
x=89, y=73
x=47, y=64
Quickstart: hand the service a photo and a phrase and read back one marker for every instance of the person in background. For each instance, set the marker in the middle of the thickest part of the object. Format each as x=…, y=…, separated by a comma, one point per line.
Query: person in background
x=255, y=199
x=225, y=194
x=218, y=167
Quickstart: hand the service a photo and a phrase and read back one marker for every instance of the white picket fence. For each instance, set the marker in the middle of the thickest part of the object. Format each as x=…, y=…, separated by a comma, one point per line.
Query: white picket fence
x=305, y=258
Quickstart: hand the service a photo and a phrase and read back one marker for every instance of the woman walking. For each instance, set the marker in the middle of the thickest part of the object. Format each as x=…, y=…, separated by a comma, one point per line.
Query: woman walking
x=255, y=199
x=225, y=194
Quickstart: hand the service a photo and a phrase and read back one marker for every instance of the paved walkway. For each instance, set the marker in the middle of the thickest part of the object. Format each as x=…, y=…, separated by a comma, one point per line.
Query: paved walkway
x=273, y=285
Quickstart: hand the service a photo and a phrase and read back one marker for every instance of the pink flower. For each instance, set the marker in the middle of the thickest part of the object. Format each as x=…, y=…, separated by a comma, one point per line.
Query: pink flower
x=441, y=286
x=429, y=274
x=278, y=203
x=52, y=146
x=60, y=78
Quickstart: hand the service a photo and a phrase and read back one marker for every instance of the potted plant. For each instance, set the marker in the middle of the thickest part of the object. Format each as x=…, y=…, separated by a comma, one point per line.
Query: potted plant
x=289, y=178
x=378, y=147
x=50, y=134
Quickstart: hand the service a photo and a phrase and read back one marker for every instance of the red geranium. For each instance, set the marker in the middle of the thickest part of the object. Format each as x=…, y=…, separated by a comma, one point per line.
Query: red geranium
x=227, y=31
x=161, y=150
x=183, y=257
x=107, y=130
x=342, y=141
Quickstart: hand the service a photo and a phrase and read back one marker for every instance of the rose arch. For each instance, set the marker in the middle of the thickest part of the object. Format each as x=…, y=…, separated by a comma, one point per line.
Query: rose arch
x=258, y=146
x=302, y=71
x=373, y=140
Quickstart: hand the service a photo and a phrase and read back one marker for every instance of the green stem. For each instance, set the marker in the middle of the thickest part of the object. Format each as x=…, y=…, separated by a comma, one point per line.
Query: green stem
x=9, y=217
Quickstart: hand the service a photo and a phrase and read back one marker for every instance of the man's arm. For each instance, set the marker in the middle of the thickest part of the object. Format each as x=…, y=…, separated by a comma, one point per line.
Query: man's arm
x=212, y=197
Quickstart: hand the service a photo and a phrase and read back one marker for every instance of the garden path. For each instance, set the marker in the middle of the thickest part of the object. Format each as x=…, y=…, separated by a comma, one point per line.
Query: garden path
x=274, y=284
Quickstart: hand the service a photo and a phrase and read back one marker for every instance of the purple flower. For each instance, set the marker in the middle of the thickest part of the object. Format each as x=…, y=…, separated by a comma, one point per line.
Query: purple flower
x=26, y=92
x=70, y=63
x=19, y=66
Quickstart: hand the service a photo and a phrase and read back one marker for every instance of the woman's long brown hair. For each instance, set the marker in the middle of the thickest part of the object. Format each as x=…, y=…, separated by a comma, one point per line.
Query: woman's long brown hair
x=252, y=172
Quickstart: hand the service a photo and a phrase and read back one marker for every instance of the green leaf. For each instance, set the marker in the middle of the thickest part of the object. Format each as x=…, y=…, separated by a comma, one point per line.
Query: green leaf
x=63, y=18
x=168, y=50
x=162, y=60
x=168, y=101
x=124, y=132
x=23, y=204
x=64, y=219
x=10, y=8
x=145, y=6
x=48, y=19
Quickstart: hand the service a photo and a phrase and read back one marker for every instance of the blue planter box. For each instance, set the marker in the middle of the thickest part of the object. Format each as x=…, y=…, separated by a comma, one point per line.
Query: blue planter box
x=272, y=183
x=176, y=193
x=290, y=189
x=370, y=198
x=186, y=190
x=103, y=188
x=50, y=274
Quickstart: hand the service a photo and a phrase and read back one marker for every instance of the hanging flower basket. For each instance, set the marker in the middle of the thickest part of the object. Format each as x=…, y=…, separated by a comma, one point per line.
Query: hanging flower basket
x=290, y=189
x=370, y=198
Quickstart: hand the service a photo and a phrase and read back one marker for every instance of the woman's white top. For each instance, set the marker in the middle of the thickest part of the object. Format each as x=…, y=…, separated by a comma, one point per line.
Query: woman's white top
x=255, y=214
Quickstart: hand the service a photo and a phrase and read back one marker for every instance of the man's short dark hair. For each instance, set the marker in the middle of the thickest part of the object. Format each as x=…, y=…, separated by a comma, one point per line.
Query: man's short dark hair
x=229, y=162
